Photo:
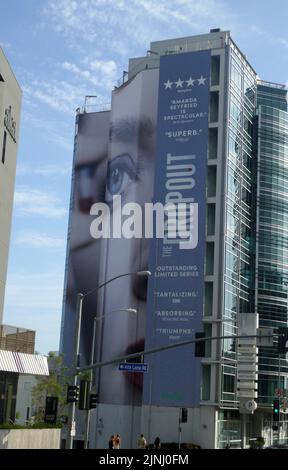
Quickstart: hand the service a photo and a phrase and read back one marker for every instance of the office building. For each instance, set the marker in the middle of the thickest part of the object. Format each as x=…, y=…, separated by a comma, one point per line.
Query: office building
x=190, y=122
x=10, y=103
x=17, y=359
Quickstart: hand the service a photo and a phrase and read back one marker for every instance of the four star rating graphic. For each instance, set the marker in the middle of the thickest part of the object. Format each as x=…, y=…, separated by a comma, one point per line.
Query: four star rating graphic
x=189, y=82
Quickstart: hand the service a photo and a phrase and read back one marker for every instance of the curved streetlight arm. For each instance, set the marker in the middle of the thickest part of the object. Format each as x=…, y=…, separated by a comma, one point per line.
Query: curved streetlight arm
x=137, y=273
x=129, y=310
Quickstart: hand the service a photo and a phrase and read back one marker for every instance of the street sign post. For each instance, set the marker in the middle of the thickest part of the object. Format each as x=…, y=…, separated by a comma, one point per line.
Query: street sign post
x=133, y=367
x=73, y=429
x=247, y=406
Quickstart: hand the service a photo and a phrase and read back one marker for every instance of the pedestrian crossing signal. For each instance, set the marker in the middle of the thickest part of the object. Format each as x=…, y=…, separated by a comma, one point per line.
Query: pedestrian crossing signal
x=276, y=410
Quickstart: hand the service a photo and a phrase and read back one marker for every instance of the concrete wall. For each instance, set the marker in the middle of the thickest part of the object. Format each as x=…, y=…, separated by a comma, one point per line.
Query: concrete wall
x=30, y=438
x=130, y=422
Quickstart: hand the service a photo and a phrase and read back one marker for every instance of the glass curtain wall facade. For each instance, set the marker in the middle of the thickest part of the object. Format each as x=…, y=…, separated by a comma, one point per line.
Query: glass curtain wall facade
x=272, y=247
x=239, y=240
x=239, y=234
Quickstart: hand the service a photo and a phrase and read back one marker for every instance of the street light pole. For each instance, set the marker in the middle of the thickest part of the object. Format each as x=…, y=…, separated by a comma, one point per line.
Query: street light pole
x=75, y=364
x=87, y=426
x=86, y=436
x=72, y=407
x=279, y=387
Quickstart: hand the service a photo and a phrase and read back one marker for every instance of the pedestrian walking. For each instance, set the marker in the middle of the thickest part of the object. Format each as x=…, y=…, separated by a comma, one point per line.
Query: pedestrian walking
x=157, y=443
x=117, y=442
x=142, y=443
x=111, y=442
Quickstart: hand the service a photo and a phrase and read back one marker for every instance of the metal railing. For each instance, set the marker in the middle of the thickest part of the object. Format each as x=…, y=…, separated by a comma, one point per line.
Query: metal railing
x=280, y=86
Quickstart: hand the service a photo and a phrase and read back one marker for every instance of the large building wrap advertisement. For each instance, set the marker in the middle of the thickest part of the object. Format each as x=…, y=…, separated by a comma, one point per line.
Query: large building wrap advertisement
x=88, y=187
x=175, y=294
x=129, y=186
x=114, y=168
x=117, y=156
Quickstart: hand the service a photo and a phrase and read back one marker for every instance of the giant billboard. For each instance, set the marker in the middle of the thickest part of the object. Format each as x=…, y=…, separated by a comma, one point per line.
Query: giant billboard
x=156, y=127
x=175, y=294
x=115, y=156
x=130, y=175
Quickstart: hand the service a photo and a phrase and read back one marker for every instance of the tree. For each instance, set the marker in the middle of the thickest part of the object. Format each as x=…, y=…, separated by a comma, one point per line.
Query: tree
x=54, y=385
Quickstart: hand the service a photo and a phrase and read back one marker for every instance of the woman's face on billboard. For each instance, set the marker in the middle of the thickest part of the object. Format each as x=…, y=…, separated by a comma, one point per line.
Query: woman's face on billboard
x=131, y=175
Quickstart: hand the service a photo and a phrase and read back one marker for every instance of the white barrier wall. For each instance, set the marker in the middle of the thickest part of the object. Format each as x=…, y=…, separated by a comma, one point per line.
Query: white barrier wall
x=30, y=438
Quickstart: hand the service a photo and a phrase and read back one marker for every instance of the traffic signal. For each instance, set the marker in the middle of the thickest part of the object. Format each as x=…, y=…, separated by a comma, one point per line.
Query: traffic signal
x=184, y=415
x=84, y=395
x=93, y=400
x=199, y=345
x=72, y=393
x=276, y=410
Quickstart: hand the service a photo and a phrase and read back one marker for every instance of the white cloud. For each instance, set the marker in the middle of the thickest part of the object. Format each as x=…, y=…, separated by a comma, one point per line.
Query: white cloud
x=41, y=240
x=44, y=170
x=77, y=71
x=34, y=301
x=108, y=31
x=107, y=67
x=284, y=42
x=35, y=290
x=58, y=95
x=66, y=97
x=36, y=202
x=134, y=21
x=102, y=74
x=54, y=130
x=5, y=45
x=269, y=36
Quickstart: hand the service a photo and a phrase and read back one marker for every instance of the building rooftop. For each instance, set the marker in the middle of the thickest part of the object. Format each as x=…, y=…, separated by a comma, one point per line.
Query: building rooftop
x=19, y=363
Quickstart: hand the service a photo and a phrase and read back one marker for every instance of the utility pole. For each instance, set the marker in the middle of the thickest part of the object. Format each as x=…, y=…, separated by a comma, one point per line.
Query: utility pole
x=179, y=429
x=75, y=365
x=87, y=425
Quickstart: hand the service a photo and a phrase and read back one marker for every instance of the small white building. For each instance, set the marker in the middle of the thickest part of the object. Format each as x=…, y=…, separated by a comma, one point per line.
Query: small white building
x=18, y=372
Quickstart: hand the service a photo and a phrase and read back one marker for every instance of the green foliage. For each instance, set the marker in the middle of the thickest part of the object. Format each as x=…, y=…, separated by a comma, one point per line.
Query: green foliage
x=55, y=385
x=258, y=444
x=85, y=375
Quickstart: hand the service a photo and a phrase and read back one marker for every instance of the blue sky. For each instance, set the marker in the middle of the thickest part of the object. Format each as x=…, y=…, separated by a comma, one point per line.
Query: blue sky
x=62, y=50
